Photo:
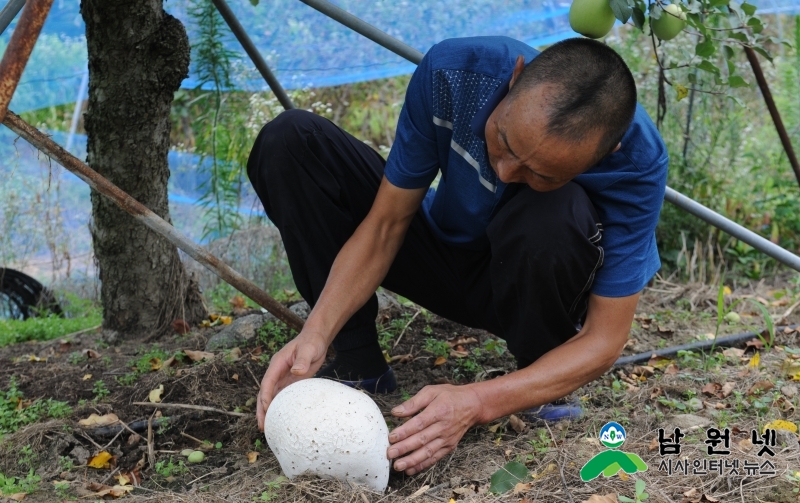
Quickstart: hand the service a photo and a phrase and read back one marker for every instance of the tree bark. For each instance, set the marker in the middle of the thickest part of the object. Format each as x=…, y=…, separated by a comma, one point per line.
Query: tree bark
x=138, y=56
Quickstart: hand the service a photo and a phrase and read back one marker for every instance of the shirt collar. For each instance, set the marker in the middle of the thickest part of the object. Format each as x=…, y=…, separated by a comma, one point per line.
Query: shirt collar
x=478, y=124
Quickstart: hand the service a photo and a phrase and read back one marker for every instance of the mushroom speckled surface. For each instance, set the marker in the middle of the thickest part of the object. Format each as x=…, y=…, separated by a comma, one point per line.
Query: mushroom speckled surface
x=325, y=428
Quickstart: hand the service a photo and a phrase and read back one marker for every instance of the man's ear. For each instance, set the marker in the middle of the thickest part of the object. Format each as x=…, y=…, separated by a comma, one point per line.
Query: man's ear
x=619, y=146
x=518, y=67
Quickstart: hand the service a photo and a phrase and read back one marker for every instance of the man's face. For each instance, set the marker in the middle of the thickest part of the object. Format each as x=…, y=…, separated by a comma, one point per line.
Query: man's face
x=520, y=151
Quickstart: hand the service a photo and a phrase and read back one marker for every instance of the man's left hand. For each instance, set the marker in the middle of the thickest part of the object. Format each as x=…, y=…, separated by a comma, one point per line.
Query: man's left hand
x=433, y=433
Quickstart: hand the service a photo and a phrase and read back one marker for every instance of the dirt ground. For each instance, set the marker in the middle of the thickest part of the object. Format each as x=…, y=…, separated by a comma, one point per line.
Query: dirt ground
x=643, y=398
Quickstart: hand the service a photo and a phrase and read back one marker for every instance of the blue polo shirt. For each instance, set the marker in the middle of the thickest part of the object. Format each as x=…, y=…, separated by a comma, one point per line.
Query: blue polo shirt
x=441, y=128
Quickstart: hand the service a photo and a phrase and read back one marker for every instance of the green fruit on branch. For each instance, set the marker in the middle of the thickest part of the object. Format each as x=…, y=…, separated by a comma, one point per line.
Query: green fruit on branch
x=591, y=18
x=671, y=22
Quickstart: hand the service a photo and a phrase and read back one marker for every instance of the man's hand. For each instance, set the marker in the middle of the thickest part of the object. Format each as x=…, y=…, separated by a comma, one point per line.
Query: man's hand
x=297, y=360
x=433, y=433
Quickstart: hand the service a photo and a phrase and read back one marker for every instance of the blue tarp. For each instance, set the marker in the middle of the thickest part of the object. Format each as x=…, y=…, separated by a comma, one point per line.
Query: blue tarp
x=307, y=49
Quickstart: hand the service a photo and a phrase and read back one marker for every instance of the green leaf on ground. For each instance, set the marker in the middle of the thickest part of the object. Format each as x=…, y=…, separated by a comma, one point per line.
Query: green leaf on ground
x=504, y=479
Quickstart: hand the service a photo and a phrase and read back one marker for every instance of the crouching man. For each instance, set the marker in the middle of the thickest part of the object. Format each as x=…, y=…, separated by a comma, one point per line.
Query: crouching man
x=540, y=230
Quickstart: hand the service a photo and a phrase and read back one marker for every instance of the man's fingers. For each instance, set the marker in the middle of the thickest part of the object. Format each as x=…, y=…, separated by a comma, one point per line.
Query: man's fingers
x=424, y=452
x=430, y=461
x=416, y=403
x=416, y=441
x=303, y=356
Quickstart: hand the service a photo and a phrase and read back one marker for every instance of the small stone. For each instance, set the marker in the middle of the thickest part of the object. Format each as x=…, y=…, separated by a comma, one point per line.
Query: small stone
x=787, y=439
x=80, y=454
x=789, y=391
x=238, y=332
x=695, y=404
x=301, y=309
x=688, y=422
x=386, y=303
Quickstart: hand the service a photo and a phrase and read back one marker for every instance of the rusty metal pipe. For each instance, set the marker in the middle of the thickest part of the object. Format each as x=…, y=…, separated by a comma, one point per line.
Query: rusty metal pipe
x=19, y=49
x=773, y=111
x=150, y=219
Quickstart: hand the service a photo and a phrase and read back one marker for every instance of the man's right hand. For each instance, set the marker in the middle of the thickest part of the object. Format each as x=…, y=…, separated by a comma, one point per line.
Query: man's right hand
x=299, y=359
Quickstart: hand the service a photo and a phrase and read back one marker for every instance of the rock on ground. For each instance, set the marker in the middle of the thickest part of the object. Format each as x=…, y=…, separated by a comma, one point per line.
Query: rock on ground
x=239, y=332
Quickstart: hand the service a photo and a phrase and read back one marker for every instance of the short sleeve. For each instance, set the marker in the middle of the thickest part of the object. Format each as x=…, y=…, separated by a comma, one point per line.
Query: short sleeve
x=627, y=190
x=413, y=161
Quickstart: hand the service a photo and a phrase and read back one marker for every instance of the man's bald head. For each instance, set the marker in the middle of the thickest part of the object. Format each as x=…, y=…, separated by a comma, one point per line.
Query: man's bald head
x=594, y=92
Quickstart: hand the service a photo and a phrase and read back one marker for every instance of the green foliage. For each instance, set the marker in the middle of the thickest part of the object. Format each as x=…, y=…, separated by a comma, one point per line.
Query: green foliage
x=62, y=489
x=439, y=349
x=721, y=26
x=723, y=155
x=16, y=412
x=100, y=391
x=507, y=477
x=212, y=63
x=13, y=485
x=80, y=315
x=640, y=494
x=273, y=335
x=166, y=468
x=272, y=488
x=388, y=332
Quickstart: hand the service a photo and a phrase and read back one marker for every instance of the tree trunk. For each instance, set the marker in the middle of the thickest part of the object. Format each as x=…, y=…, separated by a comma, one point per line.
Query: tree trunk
x=138, y=56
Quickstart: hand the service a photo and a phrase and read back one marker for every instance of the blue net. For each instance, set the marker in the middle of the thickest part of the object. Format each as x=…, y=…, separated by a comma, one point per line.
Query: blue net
x=305, y=48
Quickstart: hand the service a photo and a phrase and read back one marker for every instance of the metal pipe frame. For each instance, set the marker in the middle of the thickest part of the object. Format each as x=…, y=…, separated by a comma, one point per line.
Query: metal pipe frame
x=250, y=48
x=362, y=27
x=9, y=12
x=773, y=110
x=681, y=201
x=19, y=49
x=150, y=219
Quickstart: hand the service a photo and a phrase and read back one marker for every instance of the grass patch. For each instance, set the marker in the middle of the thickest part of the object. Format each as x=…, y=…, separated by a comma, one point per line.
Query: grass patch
x=81, y=314
x=16, y=412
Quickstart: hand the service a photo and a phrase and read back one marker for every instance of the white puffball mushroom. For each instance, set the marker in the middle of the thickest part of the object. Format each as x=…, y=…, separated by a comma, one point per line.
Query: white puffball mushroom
x=324, y=428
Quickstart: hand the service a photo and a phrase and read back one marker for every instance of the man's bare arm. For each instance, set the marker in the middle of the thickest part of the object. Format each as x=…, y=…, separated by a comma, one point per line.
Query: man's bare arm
x=365, y=259
x=359, y=268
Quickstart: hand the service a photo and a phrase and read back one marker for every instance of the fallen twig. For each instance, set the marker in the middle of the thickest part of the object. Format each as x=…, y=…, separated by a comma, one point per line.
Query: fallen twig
x=406, y=328
x=151, y=456
x=192, y=407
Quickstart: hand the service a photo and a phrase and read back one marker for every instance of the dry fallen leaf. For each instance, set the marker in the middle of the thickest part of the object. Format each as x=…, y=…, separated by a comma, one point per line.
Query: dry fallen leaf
x=226, y=320
x=733, y=353
x=522, y=488
x=34, y=358
x=760, y=387
x=155, y=364
x=659, y=362
x=90, y=353
x=235, y=377
x=493, y=428
x=17, y=496
x=234, y=354
x=672, y=369
x=93, y=421
x=155, y=395
x=459, y=354
x=655, y=393
x=780, y=424
x=86, y=377
x=596, y=498
x=653, y=444
x=461, y=340
x=516, y=423
x=727, y=389
x=181, y=327
x=123, y=479
x=102, y=490
x=755, y=360
x=643, y=370
x=754, y=343
x=712, y=389
x=100, y=461
x=440, y=361
x=237, y=302
x=197, y=356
